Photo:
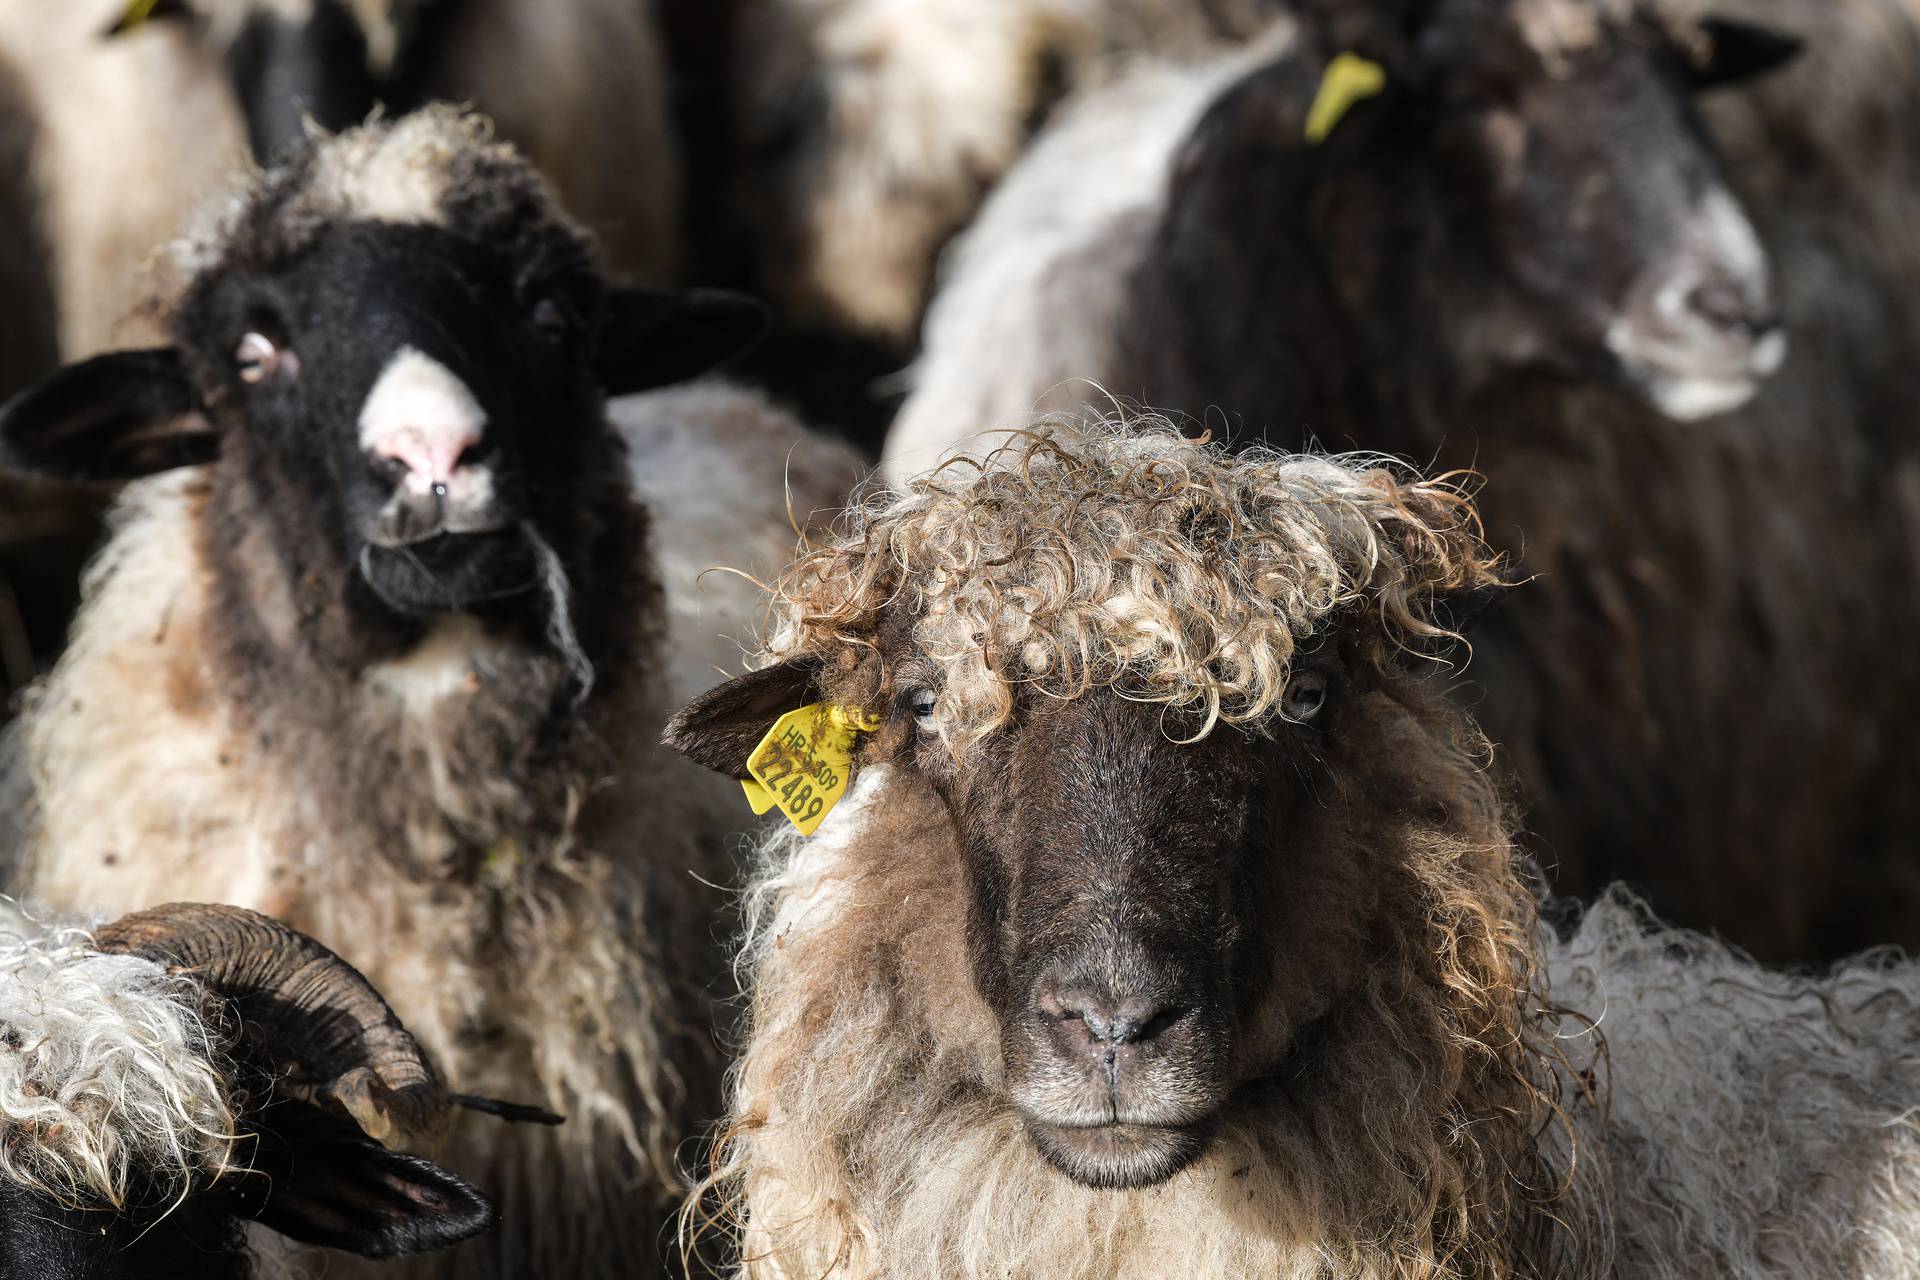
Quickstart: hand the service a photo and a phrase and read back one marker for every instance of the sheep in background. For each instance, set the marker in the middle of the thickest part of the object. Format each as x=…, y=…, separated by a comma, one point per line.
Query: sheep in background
x=190, y=1069
x=579, y=85
x=137, y=122
x=1402, y=287
x=1171, y=915
x=383, y=643
x=35, y=525
x=128, y=133
x=870, y=130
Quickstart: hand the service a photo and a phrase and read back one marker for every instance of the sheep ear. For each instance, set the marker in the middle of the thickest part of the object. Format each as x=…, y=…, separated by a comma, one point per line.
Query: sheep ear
x=654, y=339
x=721, y=727
x=114, y=417
x=328, y=1184
x=1731, y=51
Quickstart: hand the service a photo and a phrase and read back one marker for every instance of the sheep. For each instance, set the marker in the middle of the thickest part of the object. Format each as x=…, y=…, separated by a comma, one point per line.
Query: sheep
x=1172, y=914
x=579, y=85
x=126, y=133
x=869, y=130
x=30, y=519
x=381, y=641
x=187, y=1070
x=1388, y=289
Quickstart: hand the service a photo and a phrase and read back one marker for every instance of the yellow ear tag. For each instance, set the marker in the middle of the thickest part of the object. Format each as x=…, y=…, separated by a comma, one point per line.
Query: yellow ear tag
x=804, y=762
x=1349, y=79
x=136, y=12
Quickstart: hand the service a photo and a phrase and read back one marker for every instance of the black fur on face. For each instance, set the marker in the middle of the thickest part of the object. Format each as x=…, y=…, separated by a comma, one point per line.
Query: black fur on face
x=41, y=1239
x=453, y=327
x=1522, y=196
x=1155, y=923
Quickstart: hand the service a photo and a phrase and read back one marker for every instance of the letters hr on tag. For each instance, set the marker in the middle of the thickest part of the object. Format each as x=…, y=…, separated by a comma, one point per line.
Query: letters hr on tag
x=804, y=763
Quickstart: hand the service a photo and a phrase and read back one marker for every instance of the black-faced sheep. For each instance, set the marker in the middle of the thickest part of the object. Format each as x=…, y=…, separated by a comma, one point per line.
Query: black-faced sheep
x=1403, y=287
x=183, y=1072
x=383, y=644
x=1172, y=926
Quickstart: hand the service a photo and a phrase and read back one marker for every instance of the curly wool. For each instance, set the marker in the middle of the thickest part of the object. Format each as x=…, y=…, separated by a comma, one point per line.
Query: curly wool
x=1170, y=571
x=110, y=1081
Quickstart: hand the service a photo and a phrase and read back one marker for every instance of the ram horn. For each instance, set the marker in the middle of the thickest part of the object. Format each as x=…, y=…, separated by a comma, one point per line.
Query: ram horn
x=301, y=1013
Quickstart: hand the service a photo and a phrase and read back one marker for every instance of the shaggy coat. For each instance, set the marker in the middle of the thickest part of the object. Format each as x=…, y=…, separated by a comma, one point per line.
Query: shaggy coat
x=1675, y=564
x=1440, y=1104
x=525, y=878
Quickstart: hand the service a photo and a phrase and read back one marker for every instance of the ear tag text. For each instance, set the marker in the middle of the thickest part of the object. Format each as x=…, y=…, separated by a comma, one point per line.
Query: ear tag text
x=1349, y=79
x=804, y=762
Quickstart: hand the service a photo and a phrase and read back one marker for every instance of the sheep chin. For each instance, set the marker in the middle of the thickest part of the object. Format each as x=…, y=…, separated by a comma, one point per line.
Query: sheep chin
x=1119, y=1157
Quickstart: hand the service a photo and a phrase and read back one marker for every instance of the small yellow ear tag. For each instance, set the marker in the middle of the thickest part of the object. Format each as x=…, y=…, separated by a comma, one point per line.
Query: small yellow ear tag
x=1349, y=79
x=136, y=12
x=804, y=762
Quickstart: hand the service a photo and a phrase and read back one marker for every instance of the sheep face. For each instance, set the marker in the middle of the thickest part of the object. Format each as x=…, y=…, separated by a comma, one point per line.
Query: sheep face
x=1126, y=924
x=1557, y=146
x=398, y=351
x=443, y=389
x=1149, y=695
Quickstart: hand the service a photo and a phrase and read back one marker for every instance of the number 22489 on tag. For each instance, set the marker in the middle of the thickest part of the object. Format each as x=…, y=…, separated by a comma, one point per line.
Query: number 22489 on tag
x=803, y=764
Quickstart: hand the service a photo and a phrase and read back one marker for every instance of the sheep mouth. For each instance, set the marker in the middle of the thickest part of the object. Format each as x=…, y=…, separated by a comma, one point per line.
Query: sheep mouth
x=450, y=572
x=1119, y=1157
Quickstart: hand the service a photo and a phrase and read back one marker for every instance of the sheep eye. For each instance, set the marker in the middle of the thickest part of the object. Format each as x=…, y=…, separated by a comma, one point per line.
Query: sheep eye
x=254, y=357
x=923, y=703
x=549, y=318
x=1305, y=697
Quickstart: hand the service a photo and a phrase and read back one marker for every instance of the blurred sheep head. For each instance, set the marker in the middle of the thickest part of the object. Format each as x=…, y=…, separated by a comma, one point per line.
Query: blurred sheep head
x=1565, y=146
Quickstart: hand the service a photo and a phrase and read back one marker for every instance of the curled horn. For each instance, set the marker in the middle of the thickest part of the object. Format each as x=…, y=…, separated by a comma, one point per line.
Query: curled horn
x=302, y=1013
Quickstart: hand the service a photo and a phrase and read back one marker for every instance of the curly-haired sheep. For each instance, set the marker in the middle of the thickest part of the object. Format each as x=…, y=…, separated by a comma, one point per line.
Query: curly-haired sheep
x=180, y=1073
x=383, y=643
x=1400, y=287
x=1172, y=918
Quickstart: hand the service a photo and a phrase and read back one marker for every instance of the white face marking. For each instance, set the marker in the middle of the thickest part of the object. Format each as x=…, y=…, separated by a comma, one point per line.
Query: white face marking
x=1723, y=230
x=421, y=415
x=1770, y=353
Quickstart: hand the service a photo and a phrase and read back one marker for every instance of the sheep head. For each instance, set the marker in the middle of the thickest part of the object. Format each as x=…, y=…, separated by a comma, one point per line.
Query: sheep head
x=192, y=1067
x=394, y=351
x=1151, y=696
x=1532, y=190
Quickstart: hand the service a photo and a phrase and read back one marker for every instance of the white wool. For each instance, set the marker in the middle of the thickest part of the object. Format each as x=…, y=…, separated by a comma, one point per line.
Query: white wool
x=712, y=559
x=151, y=787
x=894, y=117
x=1762, y=1124
x=110, y=1084
x=1034, y=290
x=132, y=132
x=1747, y=1122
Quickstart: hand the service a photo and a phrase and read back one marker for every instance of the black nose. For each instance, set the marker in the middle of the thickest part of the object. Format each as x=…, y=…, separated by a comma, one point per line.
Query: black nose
x=1725, y=305
x=1094, y=1019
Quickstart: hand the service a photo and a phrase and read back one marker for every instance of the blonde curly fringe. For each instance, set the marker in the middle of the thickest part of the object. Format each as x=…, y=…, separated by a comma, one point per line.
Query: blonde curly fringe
x=110, y=1080
x=1172, y=571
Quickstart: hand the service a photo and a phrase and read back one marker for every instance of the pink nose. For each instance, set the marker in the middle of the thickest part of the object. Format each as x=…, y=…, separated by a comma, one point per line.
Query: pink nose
x=430, y=455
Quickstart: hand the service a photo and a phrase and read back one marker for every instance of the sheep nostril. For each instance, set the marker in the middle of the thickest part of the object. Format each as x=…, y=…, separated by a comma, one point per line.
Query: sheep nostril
x=1725, y=305
x=1109, y=1020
